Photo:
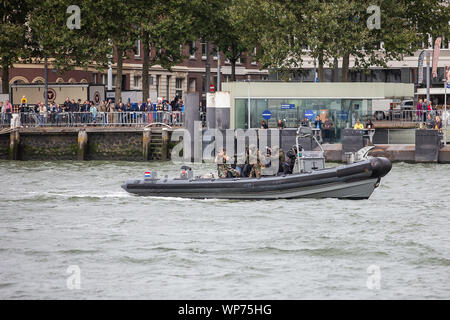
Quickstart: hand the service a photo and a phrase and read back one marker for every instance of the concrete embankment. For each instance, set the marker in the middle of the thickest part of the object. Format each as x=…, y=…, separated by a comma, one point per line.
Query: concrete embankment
x=139, y=144
x=127, y=144
x=394, y=152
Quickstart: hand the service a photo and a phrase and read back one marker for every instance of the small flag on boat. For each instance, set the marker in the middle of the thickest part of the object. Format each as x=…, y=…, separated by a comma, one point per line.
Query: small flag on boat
x=148, y=175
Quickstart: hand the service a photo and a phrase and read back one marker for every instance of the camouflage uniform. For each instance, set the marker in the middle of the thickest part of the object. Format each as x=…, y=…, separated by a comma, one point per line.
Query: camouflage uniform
x=256, y=170
x=223, y=170
x=256, y=167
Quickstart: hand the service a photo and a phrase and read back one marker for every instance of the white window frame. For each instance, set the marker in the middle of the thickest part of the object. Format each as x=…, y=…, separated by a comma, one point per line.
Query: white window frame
x=203, y=51
x=138, y=46
x=138, y=84
x=181, y=83
x=254, y=62
x=193, y=48
x=215, y=53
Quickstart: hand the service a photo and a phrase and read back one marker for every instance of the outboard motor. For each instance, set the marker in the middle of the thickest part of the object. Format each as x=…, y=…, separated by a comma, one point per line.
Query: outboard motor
x=186, y=173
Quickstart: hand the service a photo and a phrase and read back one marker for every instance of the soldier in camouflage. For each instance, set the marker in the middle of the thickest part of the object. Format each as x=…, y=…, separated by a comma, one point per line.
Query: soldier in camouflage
x=224, y=168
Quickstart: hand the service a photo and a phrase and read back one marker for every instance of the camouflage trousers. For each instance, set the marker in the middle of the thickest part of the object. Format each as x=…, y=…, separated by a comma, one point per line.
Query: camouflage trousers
x=223, y=170
x=256, y=171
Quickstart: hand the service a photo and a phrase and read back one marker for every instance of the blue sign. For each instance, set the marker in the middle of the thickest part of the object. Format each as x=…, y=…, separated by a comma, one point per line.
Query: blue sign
x=267, y=115
x=342, y=115
x=288, y=106
x=309, y=114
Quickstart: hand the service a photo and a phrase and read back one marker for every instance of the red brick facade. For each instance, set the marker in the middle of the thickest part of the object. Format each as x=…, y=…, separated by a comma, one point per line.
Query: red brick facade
x=185, y=77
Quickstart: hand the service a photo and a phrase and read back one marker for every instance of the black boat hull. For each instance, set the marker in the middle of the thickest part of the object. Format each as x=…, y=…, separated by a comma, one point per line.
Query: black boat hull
x=354, y=181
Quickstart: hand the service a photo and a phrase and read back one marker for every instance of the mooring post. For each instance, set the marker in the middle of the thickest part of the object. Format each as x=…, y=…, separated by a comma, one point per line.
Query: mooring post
x=146, y=138
x=428, y=143
x=14, y=140
x=82, y=144
x=165, y=144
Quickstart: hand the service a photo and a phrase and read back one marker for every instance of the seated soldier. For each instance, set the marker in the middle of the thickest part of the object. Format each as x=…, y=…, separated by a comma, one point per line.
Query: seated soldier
x=283, y=165
x=224, y=168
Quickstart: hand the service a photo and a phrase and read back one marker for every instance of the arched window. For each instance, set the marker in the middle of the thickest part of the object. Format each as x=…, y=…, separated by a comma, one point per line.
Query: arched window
x=18, y=80
x=60, y=80
x=38, y=80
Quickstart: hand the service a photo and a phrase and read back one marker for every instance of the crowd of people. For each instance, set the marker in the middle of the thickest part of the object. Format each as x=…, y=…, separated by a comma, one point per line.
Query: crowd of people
x=76, y=112
x=426, y=114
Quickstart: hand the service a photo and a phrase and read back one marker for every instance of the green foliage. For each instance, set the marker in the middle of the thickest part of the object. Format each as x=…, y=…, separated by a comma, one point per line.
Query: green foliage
x=49, y=36
x=286, y=30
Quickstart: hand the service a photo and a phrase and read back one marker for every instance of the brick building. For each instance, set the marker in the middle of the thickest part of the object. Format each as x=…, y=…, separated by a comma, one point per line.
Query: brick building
x=188, y=76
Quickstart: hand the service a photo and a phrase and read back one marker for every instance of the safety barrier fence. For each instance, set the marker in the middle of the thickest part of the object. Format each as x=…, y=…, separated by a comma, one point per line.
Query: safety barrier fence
x=111, y=119
x=412, y=115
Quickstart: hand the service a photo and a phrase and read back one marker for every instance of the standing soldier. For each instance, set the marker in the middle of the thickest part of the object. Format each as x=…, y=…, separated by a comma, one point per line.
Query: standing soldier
x=254, y=160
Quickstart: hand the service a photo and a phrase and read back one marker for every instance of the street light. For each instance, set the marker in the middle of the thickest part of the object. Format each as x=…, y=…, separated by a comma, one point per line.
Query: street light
x=41, y=47
x=446, y=84
x=248, y=104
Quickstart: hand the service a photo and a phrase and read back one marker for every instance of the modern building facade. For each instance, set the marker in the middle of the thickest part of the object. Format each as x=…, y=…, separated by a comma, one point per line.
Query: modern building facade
x=291, y=102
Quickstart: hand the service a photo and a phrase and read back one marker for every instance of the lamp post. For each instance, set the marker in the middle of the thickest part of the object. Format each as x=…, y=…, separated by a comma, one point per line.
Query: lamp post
x=46, y=80
x=218, y=70
x=428, y=75
x=110, y=72
x=447, y=74
x=248, y=105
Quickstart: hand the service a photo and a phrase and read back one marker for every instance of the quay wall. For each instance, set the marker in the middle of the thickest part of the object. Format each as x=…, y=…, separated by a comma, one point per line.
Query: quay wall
x=125, y=146
x=4, y=146
x=48, y=146
x=82, y=144
x=140, y=145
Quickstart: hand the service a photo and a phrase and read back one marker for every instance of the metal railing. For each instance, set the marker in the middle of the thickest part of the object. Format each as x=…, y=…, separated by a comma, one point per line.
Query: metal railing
x=413, y=115
x=99, y=119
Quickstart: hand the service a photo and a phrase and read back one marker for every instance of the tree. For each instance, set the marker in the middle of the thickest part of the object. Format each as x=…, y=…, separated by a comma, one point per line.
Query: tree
x=49, y=36
x=119, y=28
x=208, y=24
x=164, y=27
x=228, y=36
x=13, y=15
x=287, y=30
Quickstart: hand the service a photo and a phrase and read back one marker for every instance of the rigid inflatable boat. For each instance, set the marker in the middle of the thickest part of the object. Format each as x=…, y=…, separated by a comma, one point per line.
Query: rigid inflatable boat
x=355, y=180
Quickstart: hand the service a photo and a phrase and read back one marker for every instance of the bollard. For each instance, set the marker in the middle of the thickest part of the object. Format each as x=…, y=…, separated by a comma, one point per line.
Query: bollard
x=14, y=140
x=352, y=141
x=82, y=144
x=146, y=138
x=427, y=145
x=165, y=144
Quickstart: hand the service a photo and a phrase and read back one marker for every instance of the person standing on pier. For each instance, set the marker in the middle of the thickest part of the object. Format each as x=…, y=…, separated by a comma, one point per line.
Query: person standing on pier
x=358, y=125
x=42, y=114
x=8, y=109
x=2, y=114
x=424, y=108
x=438, y=124
x=327, y=126
x=419, y=110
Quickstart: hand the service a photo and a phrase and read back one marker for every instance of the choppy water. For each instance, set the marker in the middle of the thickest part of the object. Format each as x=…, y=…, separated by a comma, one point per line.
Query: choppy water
x=54, y=215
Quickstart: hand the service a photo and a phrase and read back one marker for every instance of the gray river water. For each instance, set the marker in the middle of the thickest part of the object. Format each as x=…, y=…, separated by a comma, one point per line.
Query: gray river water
x=68, y=231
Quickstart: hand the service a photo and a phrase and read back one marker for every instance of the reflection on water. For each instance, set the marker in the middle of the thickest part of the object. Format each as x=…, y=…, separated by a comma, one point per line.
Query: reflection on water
x=60, y=214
